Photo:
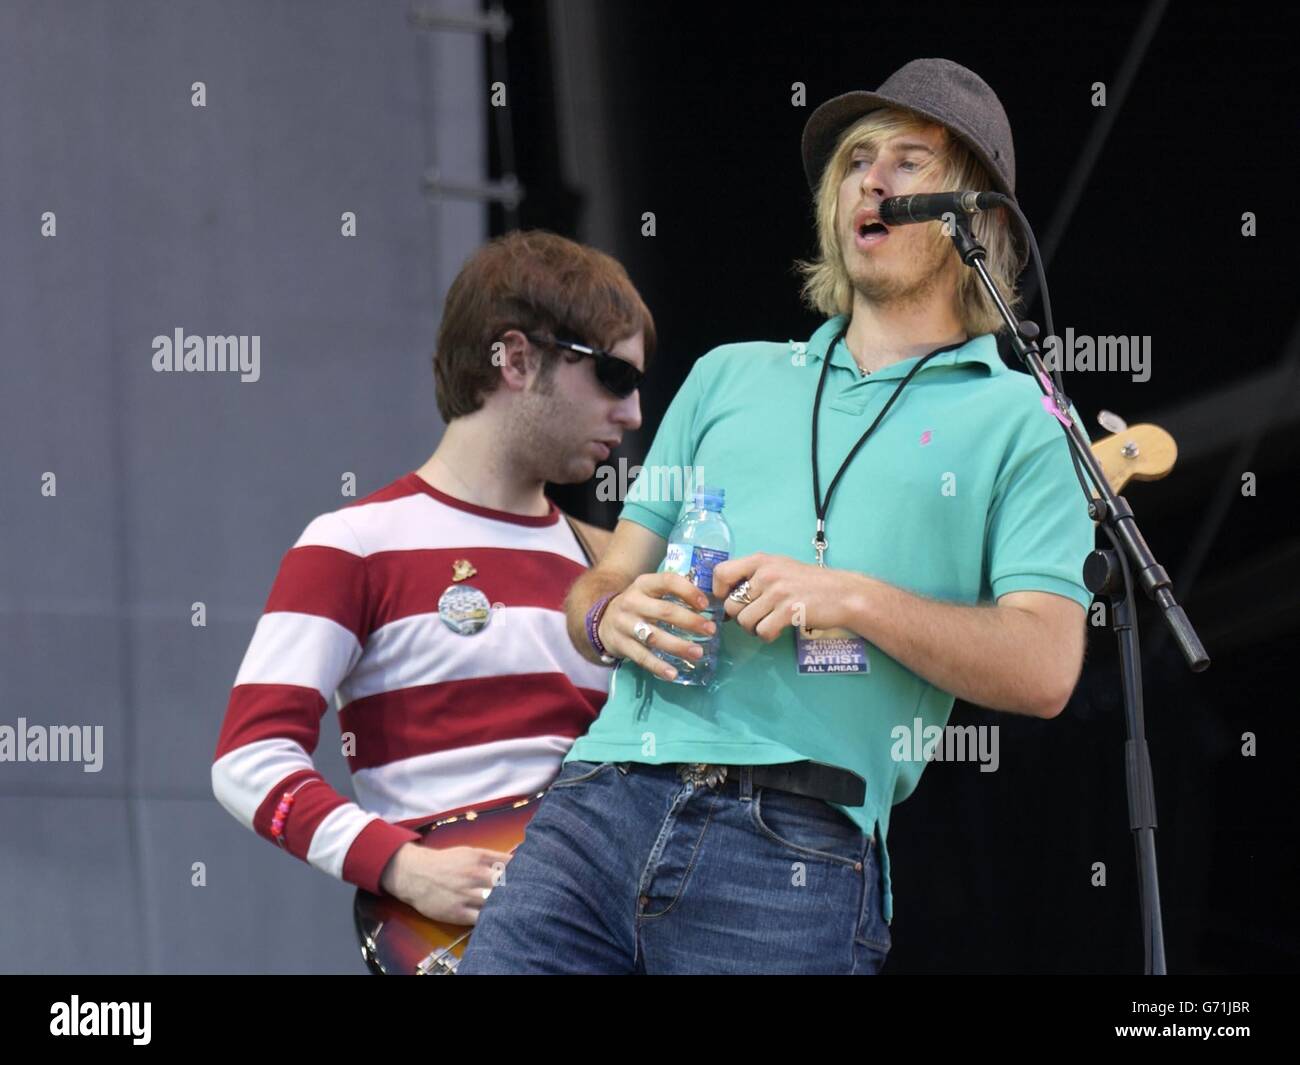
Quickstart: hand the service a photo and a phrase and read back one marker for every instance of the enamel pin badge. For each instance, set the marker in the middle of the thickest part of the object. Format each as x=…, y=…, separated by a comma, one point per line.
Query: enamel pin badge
x=463, y=608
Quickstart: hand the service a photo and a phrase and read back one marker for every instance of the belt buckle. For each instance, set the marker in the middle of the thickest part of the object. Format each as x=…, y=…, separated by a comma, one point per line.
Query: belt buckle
x=702, y=774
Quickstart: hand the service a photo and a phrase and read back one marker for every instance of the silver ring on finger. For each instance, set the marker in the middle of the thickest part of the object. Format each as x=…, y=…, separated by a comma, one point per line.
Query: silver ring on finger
x=740, y=593
x=642, y=631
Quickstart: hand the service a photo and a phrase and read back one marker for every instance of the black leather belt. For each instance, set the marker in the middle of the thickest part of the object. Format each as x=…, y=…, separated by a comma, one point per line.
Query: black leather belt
x=817, y=780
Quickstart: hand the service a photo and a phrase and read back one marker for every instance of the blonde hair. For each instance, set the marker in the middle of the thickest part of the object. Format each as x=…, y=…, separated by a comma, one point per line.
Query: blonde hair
x=827, y=287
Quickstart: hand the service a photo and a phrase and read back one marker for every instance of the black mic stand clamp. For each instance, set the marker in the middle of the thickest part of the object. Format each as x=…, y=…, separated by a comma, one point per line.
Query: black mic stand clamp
x=1108, y=573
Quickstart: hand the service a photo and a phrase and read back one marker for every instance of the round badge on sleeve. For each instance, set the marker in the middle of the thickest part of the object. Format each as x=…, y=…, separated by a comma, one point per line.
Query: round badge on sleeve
x=464, y=609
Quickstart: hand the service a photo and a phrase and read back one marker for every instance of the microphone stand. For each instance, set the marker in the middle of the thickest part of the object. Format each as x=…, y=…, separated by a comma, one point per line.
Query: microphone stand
x=1108, y=573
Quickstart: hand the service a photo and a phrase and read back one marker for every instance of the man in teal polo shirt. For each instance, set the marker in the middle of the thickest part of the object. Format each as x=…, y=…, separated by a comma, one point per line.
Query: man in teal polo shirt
x=890, y=482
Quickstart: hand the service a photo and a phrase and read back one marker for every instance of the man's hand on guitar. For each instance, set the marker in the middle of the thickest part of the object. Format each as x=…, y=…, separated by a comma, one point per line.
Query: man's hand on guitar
x=445, y=885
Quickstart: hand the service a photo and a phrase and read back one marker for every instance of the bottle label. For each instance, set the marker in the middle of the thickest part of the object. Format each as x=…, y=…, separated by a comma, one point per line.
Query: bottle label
x=695, y=563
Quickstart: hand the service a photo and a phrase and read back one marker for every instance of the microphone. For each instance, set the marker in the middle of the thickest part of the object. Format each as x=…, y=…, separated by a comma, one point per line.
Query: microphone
x=931, y=206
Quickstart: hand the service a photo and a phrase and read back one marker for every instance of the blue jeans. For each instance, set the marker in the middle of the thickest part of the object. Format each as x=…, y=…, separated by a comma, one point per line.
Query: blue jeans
x=625, y=868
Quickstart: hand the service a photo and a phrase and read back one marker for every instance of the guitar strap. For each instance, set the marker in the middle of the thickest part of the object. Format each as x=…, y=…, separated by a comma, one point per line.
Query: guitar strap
x=582, y=541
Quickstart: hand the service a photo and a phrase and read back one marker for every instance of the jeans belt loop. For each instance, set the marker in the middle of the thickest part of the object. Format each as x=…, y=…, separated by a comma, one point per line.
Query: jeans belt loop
x=745, y=779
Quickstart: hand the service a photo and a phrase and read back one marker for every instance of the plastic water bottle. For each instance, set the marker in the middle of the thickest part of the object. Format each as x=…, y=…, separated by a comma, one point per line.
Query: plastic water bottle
x=699, y=541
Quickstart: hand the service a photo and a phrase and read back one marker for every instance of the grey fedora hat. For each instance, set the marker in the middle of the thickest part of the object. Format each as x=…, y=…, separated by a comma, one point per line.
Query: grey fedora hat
x=937, y=89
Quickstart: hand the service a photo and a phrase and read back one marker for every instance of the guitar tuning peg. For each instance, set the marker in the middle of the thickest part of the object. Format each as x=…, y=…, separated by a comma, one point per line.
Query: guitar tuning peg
x=1111, y=421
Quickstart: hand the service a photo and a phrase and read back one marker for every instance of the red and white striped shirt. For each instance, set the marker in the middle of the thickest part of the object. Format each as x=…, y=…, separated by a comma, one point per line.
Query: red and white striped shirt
x=440, y=721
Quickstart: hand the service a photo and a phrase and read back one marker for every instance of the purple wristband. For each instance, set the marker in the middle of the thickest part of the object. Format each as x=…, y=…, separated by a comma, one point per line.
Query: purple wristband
x=594, y=615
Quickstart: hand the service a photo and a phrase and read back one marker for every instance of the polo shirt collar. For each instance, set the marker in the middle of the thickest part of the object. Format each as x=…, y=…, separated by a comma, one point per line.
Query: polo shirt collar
x=981, y=350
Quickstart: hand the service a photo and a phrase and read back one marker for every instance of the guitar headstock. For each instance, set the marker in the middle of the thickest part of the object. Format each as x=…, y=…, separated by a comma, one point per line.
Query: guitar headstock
x=1136, y=453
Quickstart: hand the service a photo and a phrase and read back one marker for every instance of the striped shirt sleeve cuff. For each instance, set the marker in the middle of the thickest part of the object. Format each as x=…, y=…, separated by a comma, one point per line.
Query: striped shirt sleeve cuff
x=371, y=851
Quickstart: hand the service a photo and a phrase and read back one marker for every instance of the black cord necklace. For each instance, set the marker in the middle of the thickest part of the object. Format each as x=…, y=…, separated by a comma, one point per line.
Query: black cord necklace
x=822, y=506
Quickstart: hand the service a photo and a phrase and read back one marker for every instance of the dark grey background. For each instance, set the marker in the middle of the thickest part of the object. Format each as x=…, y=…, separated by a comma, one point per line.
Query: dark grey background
x=181, y=488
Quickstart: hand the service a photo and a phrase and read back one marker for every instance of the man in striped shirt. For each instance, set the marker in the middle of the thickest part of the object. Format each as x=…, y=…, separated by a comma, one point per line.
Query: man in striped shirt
x=434, y=606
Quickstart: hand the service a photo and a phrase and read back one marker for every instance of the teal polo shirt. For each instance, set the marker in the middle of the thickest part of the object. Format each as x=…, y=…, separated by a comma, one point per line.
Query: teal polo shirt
x=964, y=492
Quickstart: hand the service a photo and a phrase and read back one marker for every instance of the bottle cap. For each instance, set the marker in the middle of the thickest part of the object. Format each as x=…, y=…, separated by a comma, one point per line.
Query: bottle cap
x=710, y=498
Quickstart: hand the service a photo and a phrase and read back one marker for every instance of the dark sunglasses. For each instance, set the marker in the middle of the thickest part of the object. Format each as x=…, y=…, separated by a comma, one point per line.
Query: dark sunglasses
x=617, y=375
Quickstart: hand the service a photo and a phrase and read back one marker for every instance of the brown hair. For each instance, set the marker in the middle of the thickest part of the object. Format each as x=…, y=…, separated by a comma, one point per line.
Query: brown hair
x=827, y=287
x=539, y=283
